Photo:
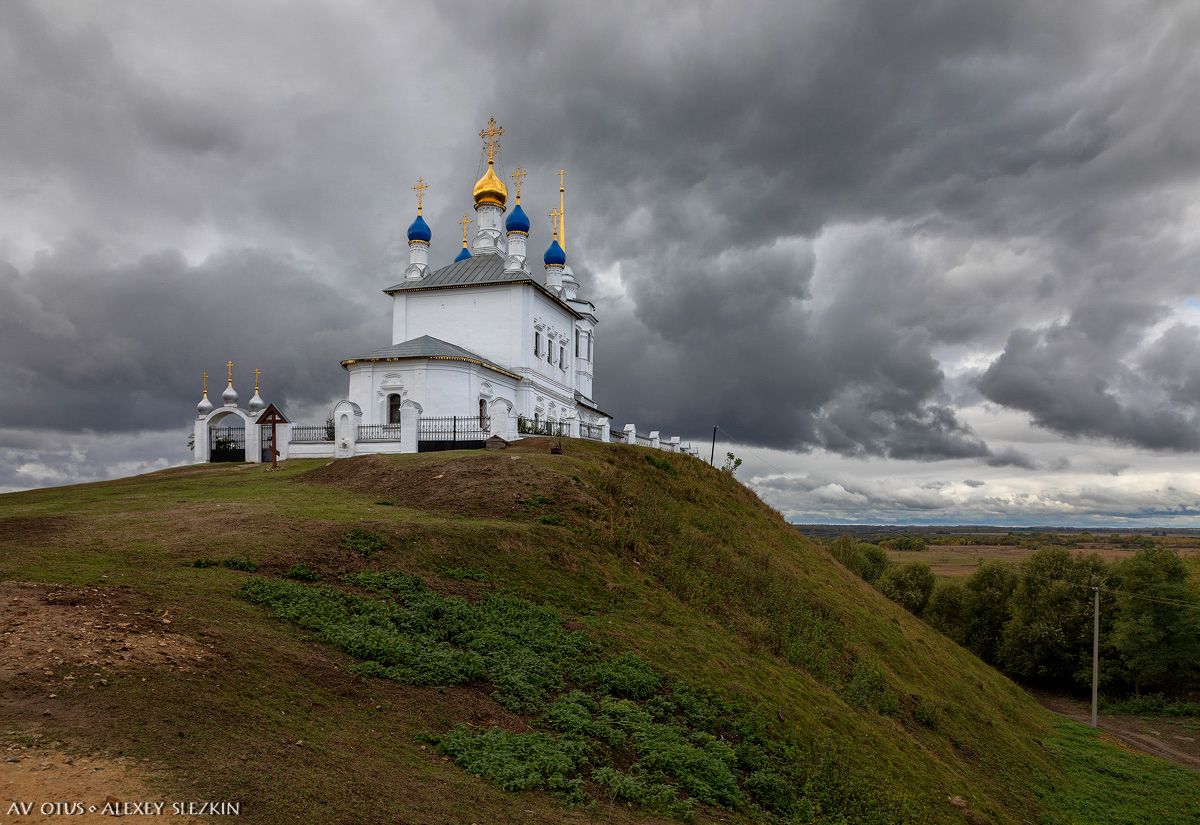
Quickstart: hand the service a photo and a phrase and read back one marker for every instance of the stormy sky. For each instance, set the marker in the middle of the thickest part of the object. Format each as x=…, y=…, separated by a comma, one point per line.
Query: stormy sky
x=921, y=261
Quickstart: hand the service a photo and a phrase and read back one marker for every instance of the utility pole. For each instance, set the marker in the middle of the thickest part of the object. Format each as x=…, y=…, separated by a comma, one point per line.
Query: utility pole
x=1095, y=656
x=712, y=456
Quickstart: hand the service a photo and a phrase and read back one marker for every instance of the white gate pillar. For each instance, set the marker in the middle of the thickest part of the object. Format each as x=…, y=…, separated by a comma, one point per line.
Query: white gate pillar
x=410, y=422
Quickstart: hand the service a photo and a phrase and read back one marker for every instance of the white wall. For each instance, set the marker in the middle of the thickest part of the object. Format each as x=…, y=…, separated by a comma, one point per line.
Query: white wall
x=437, y=388
x=483, y=320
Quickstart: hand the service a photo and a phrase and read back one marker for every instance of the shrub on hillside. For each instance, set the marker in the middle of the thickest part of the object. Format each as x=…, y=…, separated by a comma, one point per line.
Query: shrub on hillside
x=909, y=585
x=950, y=610
x=363, y=542
x=990, y=589
x=301, y=572
x=867, y=560
x=240, y=563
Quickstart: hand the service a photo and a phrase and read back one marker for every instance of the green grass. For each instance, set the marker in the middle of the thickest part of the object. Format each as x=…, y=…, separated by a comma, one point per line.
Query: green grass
x=1104, y=784
x=673, y=579
x=679, y=747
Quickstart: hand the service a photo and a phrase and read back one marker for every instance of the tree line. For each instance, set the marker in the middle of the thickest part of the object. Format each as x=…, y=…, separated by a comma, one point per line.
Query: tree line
x=1033, y=621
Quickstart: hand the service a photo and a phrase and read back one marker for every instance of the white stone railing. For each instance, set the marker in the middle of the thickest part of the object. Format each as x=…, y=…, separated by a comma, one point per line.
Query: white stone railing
x=350, y=437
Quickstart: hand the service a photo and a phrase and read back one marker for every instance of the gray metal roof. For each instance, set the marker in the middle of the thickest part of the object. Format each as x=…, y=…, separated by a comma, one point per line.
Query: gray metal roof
x=580, y=398
x=487, y=268
x=426, y=347
x=478, y=270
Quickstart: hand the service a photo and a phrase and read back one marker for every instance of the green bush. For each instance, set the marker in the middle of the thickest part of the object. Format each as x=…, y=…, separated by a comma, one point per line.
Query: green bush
x=520, y=761
x=772, y=791
x=868, y=688
x=364, y=542
x=302, y=572
x=642, y=791
x=239, y=563
x=909, y=585
x=639, y=737
x=868, y=561
x=465, y=574
x=552, y=518
x=1153, y=704
x=623, y=675
x=205, y=563
x=661, y=463
x=1048, y=637
x=950, y=610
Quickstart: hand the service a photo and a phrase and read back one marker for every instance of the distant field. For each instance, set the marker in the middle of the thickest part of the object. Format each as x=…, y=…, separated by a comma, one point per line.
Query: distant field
x=953, y=561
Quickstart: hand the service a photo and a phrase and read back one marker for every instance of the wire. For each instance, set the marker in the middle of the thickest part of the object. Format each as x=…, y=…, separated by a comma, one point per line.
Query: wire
x=1113, y=591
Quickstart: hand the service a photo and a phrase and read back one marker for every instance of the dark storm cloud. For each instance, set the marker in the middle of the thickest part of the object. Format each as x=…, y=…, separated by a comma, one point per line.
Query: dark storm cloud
x=94, y=357
x=1076, y=378
x=809, y=204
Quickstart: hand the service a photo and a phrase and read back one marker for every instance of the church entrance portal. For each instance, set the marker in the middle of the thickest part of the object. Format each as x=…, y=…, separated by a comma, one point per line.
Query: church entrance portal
x=227, y=443
x=267, y=442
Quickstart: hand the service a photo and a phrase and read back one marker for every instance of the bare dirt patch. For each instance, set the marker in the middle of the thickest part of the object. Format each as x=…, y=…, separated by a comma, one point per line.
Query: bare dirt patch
x=49, y=631
x=500, y=484
x=35, y=774
x=1175, y=739
x=33, y=529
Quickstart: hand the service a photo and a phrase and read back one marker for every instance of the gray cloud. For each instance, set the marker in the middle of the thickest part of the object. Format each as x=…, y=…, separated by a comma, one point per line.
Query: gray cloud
x=1075, y=377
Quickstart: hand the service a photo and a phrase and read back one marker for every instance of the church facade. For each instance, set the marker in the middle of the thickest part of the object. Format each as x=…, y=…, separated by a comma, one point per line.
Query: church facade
x=496, y=340
x=489, y=333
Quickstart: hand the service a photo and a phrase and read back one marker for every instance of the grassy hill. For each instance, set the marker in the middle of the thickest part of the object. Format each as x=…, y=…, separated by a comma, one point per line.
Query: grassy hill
x=625, y=634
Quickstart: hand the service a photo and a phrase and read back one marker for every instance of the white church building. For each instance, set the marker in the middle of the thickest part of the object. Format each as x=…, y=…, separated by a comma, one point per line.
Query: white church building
x=488, y=344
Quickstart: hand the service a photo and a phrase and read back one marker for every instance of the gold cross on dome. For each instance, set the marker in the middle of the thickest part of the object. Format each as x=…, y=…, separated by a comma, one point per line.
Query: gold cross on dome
x=553, y=215
x=257, y=375
x=518, y=176
x=229, y=366
x=204, y=380
x=419, y=187
x=465, y=221
x=490, y=134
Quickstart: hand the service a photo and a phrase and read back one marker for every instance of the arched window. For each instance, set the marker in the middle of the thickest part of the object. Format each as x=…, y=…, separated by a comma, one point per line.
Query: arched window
x=576, y=342
x=562, y=357
x=393, y=409
x=483, y=416
x=537, y=342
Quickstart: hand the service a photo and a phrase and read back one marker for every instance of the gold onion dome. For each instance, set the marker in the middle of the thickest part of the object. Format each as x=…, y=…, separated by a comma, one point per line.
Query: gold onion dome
x=490, y=189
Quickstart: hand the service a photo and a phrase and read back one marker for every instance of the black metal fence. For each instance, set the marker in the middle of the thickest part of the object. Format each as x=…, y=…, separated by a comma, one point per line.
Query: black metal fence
x=226, y=444
x=643, y=440
x=455, y=432
x=267, y=441
x=526, y=426
x=311, y=433
x=378, y=432
x=616, y=435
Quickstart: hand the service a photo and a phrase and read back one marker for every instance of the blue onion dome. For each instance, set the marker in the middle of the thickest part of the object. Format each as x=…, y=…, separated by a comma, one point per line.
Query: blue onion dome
x=418, y=230
x=517, y=221
x=555, y=255
x=463, y=254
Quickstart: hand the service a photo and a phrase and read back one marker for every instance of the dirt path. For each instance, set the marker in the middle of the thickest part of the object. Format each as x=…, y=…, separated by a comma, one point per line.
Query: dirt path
x=42, y=782
x=58, y=643
x=1176, y=739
